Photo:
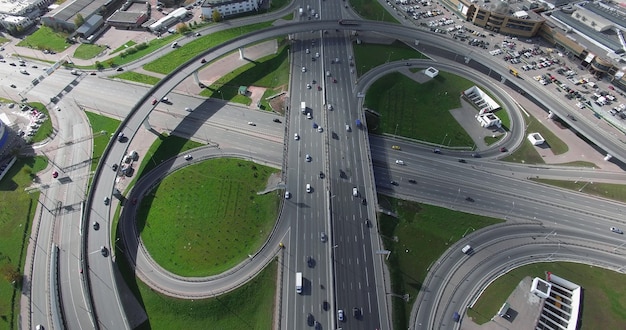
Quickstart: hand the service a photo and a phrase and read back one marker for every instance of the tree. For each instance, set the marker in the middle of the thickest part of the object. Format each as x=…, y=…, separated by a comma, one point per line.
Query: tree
x=11, y=274
x=79, y=20
x=182, y=28
x=217, y=17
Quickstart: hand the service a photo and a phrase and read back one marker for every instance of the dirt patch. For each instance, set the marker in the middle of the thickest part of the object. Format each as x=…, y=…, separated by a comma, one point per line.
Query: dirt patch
x=278, y=104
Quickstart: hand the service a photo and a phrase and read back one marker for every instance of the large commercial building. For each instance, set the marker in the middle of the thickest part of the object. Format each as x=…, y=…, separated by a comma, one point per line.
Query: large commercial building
x=228, y=8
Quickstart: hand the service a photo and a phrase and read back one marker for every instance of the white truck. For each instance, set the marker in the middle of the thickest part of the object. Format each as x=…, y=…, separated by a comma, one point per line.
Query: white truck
x=301, y=11
x=303, y=107
x=299, y=282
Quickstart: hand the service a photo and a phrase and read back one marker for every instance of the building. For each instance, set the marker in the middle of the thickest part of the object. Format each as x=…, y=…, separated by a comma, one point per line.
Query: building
x=127, y=19
x=481, y=100
x=561, y=302
x=431, y=72
x=16, y=24
x=488, y=120
x=536, y=139
x=90, y=27
x=228, y=8
x=172, y=18
x=63, y=18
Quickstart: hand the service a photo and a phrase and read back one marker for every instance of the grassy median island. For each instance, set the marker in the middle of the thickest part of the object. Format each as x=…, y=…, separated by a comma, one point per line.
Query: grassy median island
x=17, y=210
x=206, y=218
x=368, y=56
x=103, y=129
x=604, y=293
x=612, y=191
x=418, y=111
x=416, y=239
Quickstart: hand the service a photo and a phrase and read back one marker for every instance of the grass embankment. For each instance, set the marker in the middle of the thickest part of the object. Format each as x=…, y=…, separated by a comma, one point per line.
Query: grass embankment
x=416, y=239
x=17, y=210
x=372, y=10
x=88, y=51
x=368, y=56
x=218, y=218
x=138, y=77
x=527, y=153
x=418, y=111
x=176, y=58
x=606, y=190
x=248, y=307
x=271, y=72
x=100, y=124
x=604, y=298
x=46, y=38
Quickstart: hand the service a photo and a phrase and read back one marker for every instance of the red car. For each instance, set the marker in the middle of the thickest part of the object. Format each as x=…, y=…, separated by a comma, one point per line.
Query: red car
x=55, y=174
x=502, y=149
x=319, y=88
x=154, y=101
x=334, y=80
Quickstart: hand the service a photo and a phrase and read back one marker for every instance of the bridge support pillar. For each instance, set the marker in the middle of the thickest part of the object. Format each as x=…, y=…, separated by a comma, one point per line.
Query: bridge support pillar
x=241, y=56
x=195, y=77
x=146, y=125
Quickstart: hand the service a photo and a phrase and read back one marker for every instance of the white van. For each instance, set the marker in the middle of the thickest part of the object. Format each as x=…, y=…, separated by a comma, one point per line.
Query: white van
x=467, y=249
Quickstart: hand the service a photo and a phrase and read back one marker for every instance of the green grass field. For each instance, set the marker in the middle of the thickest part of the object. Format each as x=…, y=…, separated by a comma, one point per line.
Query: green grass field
x=165, y=147
x=45, y=129
x=604, y=298
x=368, y=56
x=527, y=154
x=17, y=210
x=138, y=77
x=417, y=239
x=418, y=111
x=271, y=71
x=218, y=218
x=248, y=307
x=125, y=46
x=606, y=190
x=372, y=10
x=173, y=60
x=98, y=124
x=88, y=51
x=45, y=38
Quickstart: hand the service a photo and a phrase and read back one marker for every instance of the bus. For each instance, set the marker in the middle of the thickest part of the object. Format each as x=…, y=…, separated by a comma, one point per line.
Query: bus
x=299, y=282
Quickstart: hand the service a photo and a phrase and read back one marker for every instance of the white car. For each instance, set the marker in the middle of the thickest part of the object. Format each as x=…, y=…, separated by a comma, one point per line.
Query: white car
x=251, y=123
x=399, y=162
x=188, y=109
x=340, y=315
x=303, y=69
x=287, y=195
x=317, y=54
x=308, y=86
x=320, y=129
x=309, y=116
x=308, y=187
x=296, y=136
x=308, y=51
x=307, y=157
x=616, y=230
x=188, y=157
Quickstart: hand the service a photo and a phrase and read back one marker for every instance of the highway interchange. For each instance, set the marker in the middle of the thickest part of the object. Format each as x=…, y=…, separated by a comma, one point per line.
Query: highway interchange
x=328, y=158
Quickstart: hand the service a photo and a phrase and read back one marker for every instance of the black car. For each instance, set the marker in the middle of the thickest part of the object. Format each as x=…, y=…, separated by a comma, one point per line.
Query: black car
x=114, y=167
x=321, y=175
x=356, y=312
x=412, y=181
x=310, y=319
x=120, y=69
x=96, y=225
x=364, y=201
x=310, y=262
x=395, y=183
x=461, y=160
x=325, y=305
x=276, y=120
x=469, y=199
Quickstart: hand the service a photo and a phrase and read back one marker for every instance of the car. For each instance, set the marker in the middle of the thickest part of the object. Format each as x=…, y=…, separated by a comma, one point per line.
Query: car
x=197, y=34
x=96, y=225
x=120, y=69
x=395, y=147
x=121, y=137
x=325, y=305
x=310, y=262
x=368, y=224
x=276, y=120
x=412, y=181
x=188, y=157
x=12, y=64
x=307, y=157
x=303, y=69
x=296, y=136
x=310, y=319
x=319, y=88
x=12, y=86
x=287, y=195
x=340, y=315
x=321, y=175
x=437, y=150
x=502, y=149
x=55, y=174
x=461, y=160
x=334, y=80
x=114, y=167
x=476, y=155
x=203, y=61
x=308, y=86
x=134, y=201
x=323, y=236
x=364, y=201
x=320, y=129
x=395, y=183
x=188, y=109
x=307, y=51
x=469, y=199
x=399, y=162
x=308, y=188
x=309, y=116
x=104, y=251
x=251, y=123
x=356, y=312
x=154, y=101
x=317, y=54
x=616, y=230
x=314, y=125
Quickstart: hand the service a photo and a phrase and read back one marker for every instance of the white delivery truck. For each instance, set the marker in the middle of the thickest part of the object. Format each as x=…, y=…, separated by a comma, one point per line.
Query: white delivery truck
x=299, y=282
x=303, y=107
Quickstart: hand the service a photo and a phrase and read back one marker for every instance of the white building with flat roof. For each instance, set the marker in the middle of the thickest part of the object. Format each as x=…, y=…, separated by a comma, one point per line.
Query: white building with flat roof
x=536, y=139
x=488, y=119
x=228, y=7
